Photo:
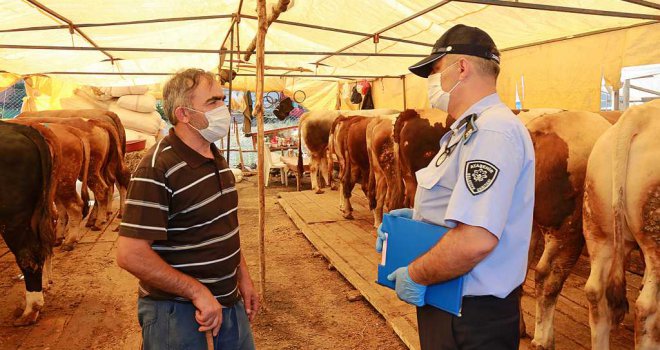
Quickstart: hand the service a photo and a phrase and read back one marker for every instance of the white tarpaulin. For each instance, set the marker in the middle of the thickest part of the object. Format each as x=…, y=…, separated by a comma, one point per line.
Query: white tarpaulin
x=510, y=27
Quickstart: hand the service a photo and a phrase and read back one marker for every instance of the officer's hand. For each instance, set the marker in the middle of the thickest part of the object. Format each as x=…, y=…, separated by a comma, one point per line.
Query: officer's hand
x=403, y=212
x=407, y=289
x=380, y=238
x=209, y=311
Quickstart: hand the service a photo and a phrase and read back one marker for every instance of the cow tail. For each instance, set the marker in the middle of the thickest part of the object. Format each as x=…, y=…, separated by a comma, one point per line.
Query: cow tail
x=301, y=167
x=84, y=191
x=45, y=215
x=616, y=286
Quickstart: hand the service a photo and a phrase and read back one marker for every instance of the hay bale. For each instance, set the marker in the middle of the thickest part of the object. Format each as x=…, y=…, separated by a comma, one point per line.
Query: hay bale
x=133, y=159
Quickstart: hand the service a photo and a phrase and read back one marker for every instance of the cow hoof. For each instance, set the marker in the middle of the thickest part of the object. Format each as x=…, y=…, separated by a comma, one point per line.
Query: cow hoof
x=27, y=320
x=537, y=346
x=96, y=228
x=333, y=187
x=319, y=191
x=67, y=247
x=116, y=229
x=89, y=223
x=348, y=216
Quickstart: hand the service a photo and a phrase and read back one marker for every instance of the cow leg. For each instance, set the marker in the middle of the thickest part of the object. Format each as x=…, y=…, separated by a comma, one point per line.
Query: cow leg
x=537, y=235
x=99, y=188
x=74, y=209
x=600, y=314
x=62, y=218
x=34, y=297
x=351, y=172
x=47, y=276
x=314, y=175
x=562, y=250
x=122, y=198
x=381, y=194
x=647, y=322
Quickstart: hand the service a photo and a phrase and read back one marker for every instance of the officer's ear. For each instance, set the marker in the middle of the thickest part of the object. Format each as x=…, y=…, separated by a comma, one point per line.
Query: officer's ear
x=181, y=115
x=465, y=68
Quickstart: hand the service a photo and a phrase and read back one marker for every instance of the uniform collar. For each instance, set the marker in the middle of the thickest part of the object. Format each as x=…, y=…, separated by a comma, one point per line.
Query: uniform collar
x=187, y=154
x=476, y=108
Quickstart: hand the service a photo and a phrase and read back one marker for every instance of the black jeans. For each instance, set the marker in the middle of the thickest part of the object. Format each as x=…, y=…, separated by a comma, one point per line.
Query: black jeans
x=487, y=322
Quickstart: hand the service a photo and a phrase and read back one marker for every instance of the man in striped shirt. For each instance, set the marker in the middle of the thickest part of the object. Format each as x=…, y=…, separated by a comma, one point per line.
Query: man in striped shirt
x=179, y=233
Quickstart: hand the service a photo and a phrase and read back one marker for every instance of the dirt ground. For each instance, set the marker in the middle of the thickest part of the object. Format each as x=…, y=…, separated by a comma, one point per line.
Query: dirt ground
x=92, y=303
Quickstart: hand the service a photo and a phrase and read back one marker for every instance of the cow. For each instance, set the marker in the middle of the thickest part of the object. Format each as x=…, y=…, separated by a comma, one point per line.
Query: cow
x=113, y=126
x=75, y=150
x=107, y=162
x=314, y=130
x=27, y=214
x=562, y=144
x=385, y=185
x=417, y=136
x=621, y=211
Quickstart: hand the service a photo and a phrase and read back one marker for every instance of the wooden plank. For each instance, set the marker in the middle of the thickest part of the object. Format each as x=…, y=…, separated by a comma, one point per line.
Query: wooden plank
x=401, y=326
x=348, y=245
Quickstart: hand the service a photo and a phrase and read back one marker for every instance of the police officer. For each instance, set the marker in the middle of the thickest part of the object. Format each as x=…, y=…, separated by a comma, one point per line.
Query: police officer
x=481, y=186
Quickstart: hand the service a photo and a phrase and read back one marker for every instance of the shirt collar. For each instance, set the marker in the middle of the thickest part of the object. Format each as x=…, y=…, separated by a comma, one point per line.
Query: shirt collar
x=189, y=155
x=476, y=108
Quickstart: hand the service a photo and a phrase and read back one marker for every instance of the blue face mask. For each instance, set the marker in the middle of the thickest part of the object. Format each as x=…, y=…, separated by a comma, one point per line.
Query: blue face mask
x=219, y=120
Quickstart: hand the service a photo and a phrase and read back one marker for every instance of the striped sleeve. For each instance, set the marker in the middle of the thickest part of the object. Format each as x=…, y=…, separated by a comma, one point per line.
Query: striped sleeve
x=147, y=206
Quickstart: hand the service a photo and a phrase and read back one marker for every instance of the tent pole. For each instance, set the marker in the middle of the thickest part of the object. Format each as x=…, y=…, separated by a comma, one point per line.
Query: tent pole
x=405, y=104
x=259, y=111
x=231, y=78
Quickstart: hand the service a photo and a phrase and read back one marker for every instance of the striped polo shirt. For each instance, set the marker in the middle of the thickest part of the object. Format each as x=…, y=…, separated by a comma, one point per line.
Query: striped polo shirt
x=187, y=205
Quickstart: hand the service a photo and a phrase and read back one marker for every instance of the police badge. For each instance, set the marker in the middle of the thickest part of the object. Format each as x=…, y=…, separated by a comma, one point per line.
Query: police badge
x=479, y=176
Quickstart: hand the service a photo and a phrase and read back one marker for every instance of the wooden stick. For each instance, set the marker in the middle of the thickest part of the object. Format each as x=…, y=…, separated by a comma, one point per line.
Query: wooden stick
x=209, y=340
x=238, y=141
x=259, y=111
x=281, y=7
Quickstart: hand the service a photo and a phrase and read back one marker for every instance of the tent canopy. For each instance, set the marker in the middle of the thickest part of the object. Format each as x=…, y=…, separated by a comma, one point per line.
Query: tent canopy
x=117, y=42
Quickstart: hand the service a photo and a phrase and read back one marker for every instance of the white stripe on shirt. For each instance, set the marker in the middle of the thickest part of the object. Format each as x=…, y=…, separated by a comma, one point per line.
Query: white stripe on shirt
x=205, y=223
x=216, y=280
x=147, y=204
x=155, y=228
x=205, y=202
x=209, y=262
x=143, y=179
x=175, y=168
x=193, y=246
x=198, y=181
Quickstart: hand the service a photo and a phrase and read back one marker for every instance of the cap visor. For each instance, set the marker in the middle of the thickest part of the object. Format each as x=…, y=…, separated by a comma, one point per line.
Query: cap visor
x=424, y=67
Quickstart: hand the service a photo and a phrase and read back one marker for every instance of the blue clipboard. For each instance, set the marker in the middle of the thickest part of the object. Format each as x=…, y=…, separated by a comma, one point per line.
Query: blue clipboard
x=408, y=239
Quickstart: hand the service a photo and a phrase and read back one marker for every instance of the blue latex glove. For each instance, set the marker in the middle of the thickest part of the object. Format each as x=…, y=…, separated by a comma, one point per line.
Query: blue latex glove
x=407, y=289
x=380, y=235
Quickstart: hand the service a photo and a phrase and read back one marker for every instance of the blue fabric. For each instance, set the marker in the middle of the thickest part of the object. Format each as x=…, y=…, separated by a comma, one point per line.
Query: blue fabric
x=171, y=325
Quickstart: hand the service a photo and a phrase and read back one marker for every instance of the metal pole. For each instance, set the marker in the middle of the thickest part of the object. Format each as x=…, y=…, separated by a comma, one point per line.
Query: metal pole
x=345, y=77
x=405, y=104
x=626, y=94
x=554, y=8
x=259, y=109
x=409, y=18
x=215, y=52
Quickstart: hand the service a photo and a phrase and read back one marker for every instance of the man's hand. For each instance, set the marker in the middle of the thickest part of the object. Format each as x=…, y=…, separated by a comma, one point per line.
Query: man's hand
x=407, y=289
x=250, y=296
x=381, y=236
x=209, y=311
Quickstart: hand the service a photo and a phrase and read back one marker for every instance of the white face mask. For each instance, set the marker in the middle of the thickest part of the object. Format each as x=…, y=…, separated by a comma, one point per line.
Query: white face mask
x=219, y=119
x=439, y=98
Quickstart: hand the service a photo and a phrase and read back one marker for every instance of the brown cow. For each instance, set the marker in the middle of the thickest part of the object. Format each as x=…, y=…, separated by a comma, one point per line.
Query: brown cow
x=562, y=143
x=417, y=136
x=75, y=150
x=385, y=185
x=352, y=136
x=29, y=168
x=104, y=163
x=116, y=172
x=621, y=211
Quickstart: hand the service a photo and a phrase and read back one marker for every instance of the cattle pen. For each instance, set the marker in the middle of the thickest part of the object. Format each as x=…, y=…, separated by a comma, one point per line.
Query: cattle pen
x=348, y=245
